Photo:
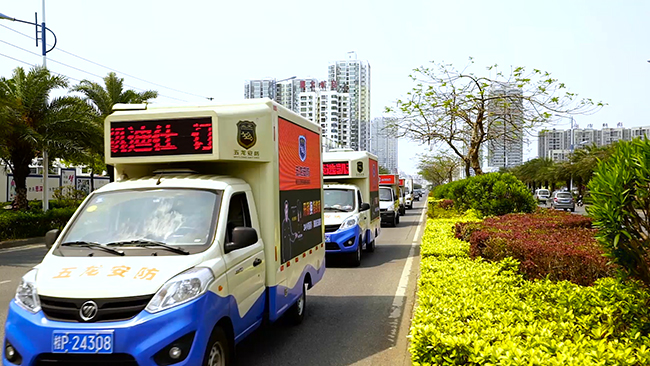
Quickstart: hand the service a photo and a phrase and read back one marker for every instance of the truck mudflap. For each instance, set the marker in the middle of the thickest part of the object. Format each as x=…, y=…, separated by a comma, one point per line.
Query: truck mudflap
x=282, y=297
x=343, y=241
x=140, y=338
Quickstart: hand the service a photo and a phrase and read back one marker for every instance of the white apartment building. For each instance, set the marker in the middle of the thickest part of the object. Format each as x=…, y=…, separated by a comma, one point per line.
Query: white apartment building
x=261, y=88
x=556, y=144
x=383, y=143
x=352, y=76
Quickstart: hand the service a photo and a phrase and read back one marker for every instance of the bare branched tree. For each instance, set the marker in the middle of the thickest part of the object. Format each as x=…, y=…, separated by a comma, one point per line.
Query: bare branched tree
x=462, y=110
x=440, y=168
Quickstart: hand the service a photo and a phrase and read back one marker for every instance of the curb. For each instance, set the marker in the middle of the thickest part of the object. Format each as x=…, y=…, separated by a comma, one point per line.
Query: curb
x=21, y=242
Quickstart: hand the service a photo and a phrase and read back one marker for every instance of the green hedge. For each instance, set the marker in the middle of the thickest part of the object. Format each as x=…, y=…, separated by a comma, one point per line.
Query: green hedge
x=492, y=194
x=473, y=312
x=33, y=223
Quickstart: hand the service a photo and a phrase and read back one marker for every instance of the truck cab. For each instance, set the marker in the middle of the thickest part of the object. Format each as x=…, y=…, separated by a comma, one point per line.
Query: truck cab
x=351, y=203
x=180, y=258
x=389, y=205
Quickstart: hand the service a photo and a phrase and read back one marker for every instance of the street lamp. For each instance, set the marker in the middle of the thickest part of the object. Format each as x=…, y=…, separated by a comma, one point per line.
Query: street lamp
x=571, y=145
x=44, y=53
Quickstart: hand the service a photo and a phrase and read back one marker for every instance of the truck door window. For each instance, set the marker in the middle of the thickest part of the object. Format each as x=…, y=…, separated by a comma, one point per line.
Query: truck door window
x=238, y=214
x=359, y=198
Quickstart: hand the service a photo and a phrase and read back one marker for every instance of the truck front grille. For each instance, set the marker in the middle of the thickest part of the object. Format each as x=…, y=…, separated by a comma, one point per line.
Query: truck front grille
x=332, y=228
x=109, y=309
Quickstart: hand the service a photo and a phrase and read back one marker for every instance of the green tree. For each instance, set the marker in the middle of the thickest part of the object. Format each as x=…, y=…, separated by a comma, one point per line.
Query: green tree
x=440, y=168
x=31, y=121
x=462, y=110
x=102, y=99
x=383, y=170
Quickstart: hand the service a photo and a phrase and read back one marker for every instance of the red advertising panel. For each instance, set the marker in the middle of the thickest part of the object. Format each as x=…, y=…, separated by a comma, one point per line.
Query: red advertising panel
x=401, y=182
x=387, y=179
x=300, y=189
x=336, y=168
x=374, y=189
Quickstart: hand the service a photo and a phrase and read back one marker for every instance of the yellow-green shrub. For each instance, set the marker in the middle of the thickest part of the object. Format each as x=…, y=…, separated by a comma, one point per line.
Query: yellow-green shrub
x=473, y=312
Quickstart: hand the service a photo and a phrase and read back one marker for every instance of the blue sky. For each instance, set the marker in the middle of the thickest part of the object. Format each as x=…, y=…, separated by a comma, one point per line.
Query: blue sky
x=599, y=49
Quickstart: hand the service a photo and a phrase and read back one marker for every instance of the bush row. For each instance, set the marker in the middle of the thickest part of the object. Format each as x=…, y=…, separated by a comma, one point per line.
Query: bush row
x=474, y=312
x=33, y=223
x=491, y=194
x=548, y=244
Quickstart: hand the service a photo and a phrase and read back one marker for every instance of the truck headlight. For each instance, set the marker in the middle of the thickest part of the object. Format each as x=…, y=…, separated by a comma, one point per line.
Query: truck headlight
x=26, y=294
x=390, y=208
x=351, y=221
x=184, y=287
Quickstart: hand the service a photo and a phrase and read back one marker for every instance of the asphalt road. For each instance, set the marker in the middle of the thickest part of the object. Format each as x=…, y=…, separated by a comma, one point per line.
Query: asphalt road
x=355, y=316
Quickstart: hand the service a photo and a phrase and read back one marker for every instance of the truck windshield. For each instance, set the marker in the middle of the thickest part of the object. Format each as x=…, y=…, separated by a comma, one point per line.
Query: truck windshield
x=171, y=216
x=385, y=194
x=339, y=200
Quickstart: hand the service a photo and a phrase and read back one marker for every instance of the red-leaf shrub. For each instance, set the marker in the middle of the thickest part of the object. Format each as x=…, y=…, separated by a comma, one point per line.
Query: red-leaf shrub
x=548, y=243
x=446, y=204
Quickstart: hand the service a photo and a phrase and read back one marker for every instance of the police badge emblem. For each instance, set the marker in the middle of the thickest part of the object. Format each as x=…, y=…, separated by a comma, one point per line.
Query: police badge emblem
x=360, y=166
x=246, y=136
x=302, y=148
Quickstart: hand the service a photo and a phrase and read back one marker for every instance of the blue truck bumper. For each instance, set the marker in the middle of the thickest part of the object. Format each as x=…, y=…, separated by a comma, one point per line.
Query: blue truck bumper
x=343, y=241
x=140, y=337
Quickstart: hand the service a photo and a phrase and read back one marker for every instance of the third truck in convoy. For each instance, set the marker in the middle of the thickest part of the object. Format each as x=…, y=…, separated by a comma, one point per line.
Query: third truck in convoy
x=351, y=202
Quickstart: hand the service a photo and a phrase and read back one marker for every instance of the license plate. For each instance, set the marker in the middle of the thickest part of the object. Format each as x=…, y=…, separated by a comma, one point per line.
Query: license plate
x=99, y=341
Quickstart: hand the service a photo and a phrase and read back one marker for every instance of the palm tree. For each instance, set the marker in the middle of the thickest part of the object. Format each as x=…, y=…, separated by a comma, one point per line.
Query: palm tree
x=102, y=99
x=30, y=122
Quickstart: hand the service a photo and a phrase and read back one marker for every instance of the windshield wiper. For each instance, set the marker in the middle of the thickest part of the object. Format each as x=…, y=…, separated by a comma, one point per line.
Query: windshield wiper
x=92, y=245
x=336, y=209
x=146, y=243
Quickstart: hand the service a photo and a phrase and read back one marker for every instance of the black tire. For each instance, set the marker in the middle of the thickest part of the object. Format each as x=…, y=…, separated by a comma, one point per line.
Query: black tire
x=394, y=222
x=573, y=210
x=396, y=219
x=370, y=247
x=217, y=352
x=296, y=314
x=355, y=258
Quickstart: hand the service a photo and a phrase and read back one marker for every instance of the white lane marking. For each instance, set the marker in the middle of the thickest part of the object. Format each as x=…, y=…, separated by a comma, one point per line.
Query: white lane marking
x=21, y=248
x=400, y=294
x=5, y=281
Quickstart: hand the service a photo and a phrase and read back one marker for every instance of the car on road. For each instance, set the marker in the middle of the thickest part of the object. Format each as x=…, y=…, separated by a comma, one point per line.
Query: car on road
x=563, y=200
x=542, y=195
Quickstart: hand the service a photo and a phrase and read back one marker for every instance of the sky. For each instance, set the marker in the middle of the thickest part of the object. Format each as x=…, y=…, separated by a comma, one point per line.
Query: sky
x=191, y=50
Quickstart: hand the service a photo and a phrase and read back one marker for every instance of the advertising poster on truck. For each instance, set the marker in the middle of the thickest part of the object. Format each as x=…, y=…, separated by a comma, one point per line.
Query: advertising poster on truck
x=300, y=189
x=374, y=189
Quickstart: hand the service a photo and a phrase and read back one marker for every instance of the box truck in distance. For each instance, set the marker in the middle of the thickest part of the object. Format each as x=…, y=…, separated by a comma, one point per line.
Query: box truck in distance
x=214, y=225
x=350, y=203
x=389, y=208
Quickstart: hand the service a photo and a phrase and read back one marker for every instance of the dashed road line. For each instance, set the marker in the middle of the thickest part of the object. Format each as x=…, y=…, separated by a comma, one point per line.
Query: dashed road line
x=21, y=248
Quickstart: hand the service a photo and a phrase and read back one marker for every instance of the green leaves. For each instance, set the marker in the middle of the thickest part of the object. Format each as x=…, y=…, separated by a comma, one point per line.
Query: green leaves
x=471, y=312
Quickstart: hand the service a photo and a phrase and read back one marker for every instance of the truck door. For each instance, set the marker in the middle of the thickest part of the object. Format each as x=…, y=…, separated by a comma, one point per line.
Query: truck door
x=245, y=266
x=364, y=217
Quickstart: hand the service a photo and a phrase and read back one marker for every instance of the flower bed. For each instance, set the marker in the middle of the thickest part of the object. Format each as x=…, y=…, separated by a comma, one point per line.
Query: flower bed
x=475, y=312
x=548, y=244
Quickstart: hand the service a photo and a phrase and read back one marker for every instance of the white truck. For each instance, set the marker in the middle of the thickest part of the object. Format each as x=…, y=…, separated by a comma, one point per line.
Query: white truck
x=408, y=197
x=351, y=202
x=214, y=225
x=389, y=207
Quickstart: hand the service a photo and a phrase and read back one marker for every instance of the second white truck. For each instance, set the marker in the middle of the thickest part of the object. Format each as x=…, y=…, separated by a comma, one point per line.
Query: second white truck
x=351, y=202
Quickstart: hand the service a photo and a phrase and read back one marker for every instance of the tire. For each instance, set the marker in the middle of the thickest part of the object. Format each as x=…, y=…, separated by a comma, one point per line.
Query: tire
x=217, y=352
x=370, y=247
x=573, y=210
x=296, y=314
x=396, y=219
x=355, y=258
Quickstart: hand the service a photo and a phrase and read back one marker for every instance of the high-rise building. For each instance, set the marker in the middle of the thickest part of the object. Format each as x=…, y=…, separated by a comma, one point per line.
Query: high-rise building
x=383, y=143
x=505, y=131
x=261, y=88
x=352, y=76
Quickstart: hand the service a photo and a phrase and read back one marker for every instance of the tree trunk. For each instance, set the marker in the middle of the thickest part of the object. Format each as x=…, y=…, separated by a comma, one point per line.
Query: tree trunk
x=474, y=160
x=467, y=172
x=20, y=162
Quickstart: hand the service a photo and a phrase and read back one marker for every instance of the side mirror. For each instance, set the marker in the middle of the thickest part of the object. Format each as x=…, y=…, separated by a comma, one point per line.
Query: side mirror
x=241, y=238
x=364, y=207
x=50, y=237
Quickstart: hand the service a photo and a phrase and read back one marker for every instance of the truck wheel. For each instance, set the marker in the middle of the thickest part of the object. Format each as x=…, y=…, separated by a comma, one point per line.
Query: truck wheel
x=355, y=258
x=370, y=247
x=217, y=353
x=297, y=311
x=396, y=219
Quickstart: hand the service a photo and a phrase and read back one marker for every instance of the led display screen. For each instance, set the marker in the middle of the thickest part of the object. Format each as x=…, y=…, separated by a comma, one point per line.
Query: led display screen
x=337, y=168
x=161, y=137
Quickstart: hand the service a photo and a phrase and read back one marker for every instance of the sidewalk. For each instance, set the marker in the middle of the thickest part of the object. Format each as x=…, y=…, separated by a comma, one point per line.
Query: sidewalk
x=20, y=242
